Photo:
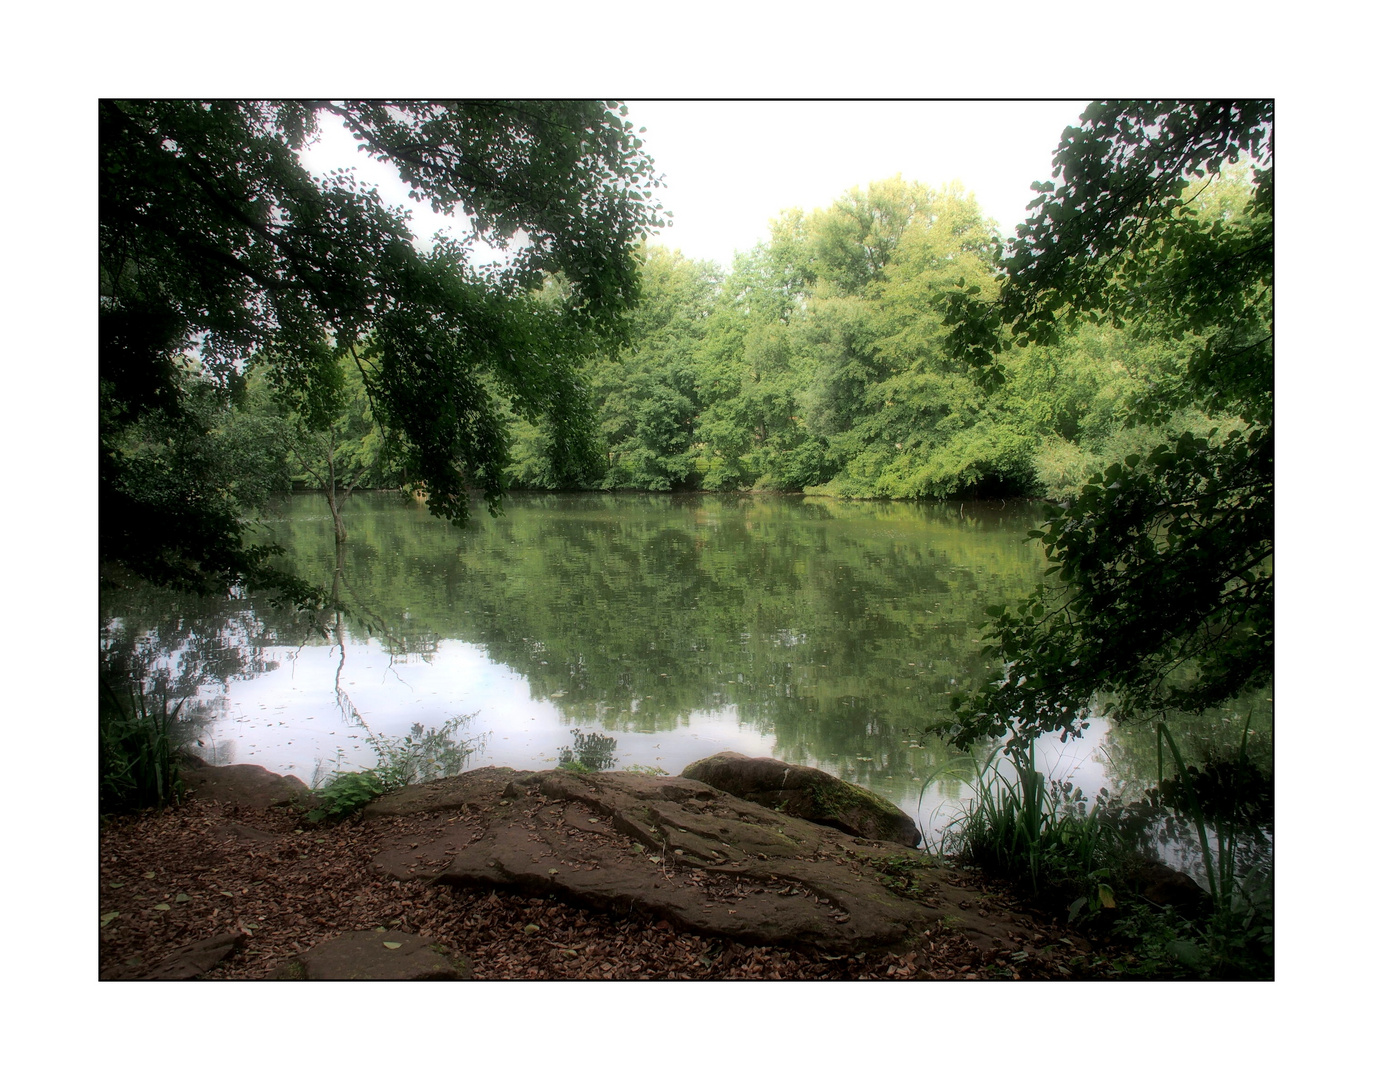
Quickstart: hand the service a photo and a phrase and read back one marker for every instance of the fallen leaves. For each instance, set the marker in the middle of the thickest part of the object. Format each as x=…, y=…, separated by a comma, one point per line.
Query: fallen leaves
x=302, y=887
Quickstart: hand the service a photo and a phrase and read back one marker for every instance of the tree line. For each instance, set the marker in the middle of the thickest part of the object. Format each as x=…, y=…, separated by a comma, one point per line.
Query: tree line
x=818, y=363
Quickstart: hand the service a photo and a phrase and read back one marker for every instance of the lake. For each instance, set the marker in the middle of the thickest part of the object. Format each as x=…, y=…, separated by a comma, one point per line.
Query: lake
x=818, y=631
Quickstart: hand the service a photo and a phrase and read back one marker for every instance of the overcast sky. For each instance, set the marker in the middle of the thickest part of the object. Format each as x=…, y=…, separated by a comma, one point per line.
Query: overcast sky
x=731, y=166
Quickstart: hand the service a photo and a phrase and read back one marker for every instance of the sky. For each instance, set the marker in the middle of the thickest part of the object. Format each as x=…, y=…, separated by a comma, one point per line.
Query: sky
x=730, y=167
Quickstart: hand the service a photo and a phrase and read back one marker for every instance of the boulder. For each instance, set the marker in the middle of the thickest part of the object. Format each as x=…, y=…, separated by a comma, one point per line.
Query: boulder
x=674, y=849
x=1167, y=887
x=245, y=785
x=375, y=954
x=807, y=793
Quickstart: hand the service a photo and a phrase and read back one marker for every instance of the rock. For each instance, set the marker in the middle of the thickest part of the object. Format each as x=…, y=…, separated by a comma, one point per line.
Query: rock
x=476, y=789
x=682, y=850
x=1167, y=887
x=246, y=785
x=807, y=793
x=375, y=954
x=195, y=959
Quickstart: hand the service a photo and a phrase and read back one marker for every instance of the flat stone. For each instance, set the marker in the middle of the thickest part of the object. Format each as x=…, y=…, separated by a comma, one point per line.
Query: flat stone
x=422, y=855
x=196, y=959
x=477, y=788
x=375, y=954
x=681, y=850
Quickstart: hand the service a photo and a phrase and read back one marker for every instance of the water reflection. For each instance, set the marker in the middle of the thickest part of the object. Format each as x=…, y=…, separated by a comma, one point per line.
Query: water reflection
x=821, y=632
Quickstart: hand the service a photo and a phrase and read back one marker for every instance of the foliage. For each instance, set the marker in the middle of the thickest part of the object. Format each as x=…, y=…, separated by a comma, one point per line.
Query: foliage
x=215, y=240
x=1034, y=831
x=1159, y=590
x=140, y=743
x=1041, y=836
x=422, y=755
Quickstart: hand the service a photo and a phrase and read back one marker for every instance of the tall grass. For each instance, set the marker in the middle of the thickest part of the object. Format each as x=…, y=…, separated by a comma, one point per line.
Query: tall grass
x=1027, y=829
x=139, y=749
x=1236, y=909
x=424, y=754
x=1040, y=835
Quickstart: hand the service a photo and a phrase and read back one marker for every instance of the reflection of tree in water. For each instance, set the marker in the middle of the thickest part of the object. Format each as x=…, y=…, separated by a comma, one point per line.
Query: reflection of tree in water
x=176, y=646
x=591, y=750
x=634, y=613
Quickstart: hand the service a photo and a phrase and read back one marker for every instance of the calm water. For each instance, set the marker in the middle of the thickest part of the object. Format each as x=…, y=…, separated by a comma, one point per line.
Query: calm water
x=812, y=630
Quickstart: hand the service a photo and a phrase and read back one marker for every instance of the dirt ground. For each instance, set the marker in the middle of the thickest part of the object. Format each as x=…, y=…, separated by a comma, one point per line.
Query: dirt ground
x=181, y=875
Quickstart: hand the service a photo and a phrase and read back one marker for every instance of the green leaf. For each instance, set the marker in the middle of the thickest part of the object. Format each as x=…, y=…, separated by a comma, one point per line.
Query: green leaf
x=392, y=944
x=108, y=918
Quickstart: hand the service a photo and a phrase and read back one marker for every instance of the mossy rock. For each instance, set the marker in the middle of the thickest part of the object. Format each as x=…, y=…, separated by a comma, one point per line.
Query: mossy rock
x=807, y=793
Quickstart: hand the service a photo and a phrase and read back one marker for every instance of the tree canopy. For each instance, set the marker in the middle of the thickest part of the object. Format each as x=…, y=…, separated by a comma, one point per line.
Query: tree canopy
x=218, y=247
x=1163, y=595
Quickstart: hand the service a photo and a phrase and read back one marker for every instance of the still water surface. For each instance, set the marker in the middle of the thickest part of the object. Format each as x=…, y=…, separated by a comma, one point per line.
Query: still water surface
x=821, y=632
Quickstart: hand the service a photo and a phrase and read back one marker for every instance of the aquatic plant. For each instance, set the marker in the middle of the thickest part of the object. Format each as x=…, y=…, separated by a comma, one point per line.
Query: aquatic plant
x=140, y=747
x=1028, y=829
x=422, y=755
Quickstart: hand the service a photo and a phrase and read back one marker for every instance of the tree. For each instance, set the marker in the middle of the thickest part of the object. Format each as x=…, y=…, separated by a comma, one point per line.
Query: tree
x=1159, y=589
x=647, y=395
x=216, y=242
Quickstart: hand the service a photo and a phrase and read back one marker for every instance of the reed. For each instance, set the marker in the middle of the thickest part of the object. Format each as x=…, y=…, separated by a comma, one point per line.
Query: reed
x=1027, y=829
x=139, y=749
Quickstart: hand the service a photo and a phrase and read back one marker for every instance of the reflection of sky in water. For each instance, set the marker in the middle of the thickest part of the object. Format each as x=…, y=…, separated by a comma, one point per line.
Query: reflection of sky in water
x=294, y=720
x=290, y=719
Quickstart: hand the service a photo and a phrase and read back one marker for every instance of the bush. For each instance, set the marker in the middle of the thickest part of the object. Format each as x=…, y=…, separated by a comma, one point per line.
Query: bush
x=424, y=754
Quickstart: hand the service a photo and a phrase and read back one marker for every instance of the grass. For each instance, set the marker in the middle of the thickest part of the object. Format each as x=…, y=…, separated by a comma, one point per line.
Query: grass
x=1030, y=830
x=590, y=752
x=140, y=745
x=1040, y=836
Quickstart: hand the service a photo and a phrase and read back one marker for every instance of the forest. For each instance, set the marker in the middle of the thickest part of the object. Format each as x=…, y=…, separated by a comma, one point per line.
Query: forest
x=816, y=364
x=265, y=331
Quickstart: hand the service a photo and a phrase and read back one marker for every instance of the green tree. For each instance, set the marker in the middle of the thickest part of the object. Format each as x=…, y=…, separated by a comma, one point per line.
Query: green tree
x=899, y=415
x=750, y=427
x=1160, y=581
x=216, y=242
x=647, y=395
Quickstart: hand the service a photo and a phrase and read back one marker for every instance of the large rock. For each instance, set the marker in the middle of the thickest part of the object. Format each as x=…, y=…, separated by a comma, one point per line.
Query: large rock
x=375, y=954
x=676, y=849
x=665, y=846
x=245, y=785
x=807, y=793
